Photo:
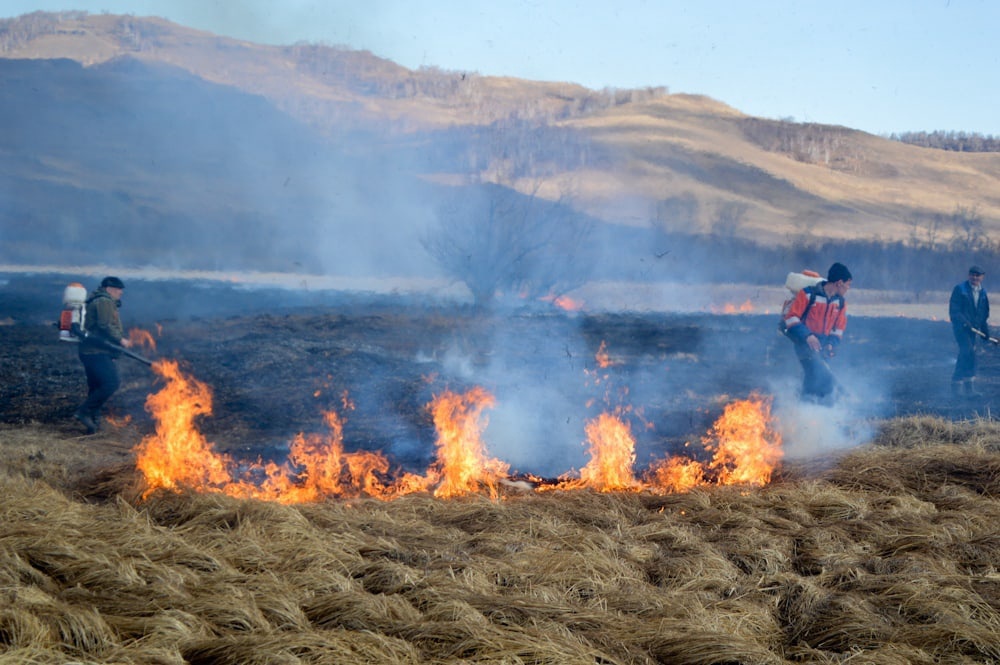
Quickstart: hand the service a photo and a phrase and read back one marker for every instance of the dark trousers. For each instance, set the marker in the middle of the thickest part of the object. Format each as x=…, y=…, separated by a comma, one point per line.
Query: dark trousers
x=102, y=381
x=818, y=382
x=965, y=365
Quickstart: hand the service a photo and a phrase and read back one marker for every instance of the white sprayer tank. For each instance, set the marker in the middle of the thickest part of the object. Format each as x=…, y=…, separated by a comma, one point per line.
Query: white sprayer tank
x=796, y=281
x=74, y=311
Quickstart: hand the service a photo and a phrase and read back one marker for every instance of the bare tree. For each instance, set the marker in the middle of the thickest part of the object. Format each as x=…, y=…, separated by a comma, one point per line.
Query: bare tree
x=498, y=234
x=729, y=218
x=967, y=229
x=495, y=239
x=925, y=231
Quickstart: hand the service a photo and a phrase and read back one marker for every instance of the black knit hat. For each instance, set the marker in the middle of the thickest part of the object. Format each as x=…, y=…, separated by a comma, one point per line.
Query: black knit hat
x=838, y=272
x=113, y=282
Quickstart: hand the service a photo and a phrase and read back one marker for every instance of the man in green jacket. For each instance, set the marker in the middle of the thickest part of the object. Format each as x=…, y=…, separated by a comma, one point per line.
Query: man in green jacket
x=102, y=324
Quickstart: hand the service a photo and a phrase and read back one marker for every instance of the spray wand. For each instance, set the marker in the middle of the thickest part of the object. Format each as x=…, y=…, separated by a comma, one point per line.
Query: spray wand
x=107, y=344
x=991, y=340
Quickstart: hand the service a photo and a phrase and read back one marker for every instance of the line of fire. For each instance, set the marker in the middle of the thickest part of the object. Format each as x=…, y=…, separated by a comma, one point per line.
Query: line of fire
x=742, y=447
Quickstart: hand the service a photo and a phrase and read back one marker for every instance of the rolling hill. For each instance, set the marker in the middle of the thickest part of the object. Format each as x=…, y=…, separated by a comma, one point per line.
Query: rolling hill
x=155, y=134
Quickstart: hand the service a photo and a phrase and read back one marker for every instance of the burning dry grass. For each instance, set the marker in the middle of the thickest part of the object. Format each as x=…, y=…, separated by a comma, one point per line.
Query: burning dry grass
x=889, y=556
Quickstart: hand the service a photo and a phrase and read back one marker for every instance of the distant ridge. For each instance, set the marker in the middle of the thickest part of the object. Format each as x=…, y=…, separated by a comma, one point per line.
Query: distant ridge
x=628, y=158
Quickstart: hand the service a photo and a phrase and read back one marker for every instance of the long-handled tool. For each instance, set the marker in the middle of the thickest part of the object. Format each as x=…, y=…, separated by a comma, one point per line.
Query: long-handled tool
x=100, y=341
x=991, y=340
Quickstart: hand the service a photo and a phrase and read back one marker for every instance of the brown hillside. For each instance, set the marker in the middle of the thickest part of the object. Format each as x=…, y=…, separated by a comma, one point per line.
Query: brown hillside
x=791, y=180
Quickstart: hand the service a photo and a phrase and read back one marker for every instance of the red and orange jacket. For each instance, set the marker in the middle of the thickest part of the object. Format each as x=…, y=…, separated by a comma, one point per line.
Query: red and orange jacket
x=826, y=318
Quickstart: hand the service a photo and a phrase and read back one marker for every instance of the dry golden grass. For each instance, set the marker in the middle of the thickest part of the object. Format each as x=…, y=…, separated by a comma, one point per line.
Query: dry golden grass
x=886, y=555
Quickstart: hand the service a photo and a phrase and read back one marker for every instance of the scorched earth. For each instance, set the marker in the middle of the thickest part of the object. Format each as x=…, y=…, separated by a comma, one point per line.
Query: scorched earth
x=271, y=378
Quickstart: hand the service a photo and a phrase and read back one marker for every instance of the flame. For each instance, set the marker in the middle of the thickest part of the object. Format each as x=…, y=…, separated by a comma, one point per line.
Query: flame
x=612, y=451
x=116, y=421
x=677, y=474
x=602, y=357
x=743, y=446
x=318, y=468
x=141, y=338
x=462, y=463
x=564, y=302
x=177, y=455
x=746, y=451
x=729, y=308
x=746, y=447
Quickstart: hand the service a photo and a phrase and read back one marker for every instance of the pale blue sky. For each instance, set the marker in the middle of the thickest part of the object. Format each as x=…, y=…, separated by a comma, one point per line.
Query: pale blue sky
x=877, y=65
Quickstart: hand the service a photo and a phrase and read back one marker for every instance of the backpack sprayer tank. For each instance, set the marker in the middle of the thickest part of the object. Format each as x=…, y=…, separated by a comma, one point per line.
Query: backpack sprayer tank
x=796, y=281
x=74, y=311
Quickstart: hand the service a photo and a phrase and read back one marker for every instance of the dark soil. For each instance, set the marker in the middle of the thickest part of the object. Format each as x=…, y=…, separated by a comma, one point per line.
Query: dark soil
x=276, y=360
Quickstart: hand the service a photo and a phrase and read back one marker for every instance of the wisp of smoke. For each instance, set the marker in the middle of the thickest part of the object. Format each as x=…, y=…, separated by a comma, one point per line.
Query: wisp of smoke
x=811, y=430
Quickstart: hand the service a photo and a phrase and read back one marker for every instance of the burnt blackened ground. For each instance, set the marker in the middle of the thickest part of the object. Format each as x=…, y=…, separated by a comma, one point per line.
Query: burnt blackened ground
x=276, y=361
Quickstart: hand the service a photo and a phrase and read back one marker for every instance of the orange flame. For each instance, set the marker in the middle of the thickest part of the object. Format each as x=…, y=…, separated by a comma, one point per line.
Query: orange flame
x=677, y=474
x=602, y=357
x=462, y=463
x=141, y=338
x=118, y=421
x=325, y=470
x=746, y=451
x=746, y=447
x=730, y=308
x=176, y=455
x=612, y=450
x=564, y=302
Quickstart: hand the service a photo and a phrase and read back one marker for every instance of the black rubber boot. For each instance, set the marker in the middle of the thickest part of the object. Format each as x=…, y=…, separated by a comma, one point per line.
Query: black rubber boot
x=87, y=421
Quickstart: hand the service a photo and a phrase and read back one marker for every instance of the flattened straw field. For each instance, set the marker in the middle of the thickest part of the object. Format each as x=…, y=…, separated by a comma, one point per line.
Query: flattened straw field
x=888, y=554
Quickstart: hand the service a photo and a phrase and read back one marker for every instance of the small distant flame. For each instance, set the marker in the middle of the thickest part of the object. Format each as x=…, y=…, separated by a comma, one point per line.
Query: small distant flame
x=142, y=339
x=730, y=308
x=564, y=302
x=602, y=357
x=118, y=421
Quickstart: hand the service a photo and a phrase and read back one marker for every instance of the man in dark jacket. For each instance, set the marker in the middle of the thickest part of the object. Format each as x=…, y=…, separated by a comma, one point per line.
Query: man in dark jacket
x=102, y=324
x=815, y=322
x=969, y=311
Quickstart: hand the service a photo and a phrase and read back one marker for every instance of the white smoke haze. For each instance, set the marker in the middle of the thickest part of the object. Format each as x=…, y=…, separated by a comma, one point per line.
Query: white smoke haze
x=539, y=383
x=537, y=429
x=811, y=430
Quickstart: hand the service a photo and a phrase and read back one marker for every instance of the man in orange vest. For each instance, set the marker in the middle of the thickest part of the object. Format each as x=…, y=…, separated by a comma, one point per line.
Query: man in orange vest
x=815, y=323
